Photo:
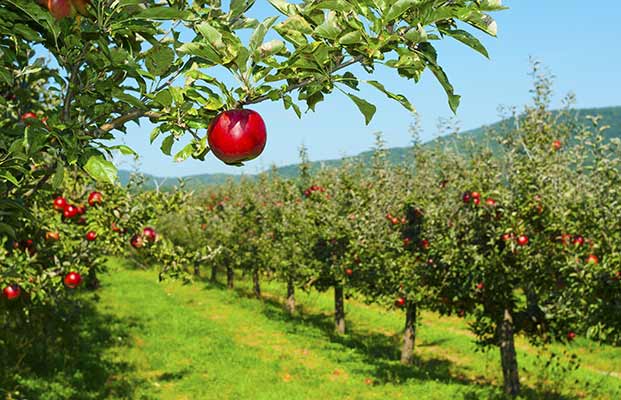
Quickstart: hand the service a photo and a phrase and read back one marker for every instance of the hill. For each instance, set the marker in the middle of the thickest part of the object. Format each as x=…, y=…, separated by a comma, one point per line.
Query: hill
x=609, y=116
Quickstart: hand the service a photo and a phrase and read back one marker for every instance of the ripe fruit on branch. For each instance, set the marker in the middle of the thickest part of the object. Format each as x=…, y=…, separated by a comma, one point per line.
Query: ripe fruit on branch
x=28, y=115
x=424, y=244
x=136, y=241
x=60, y=203
x=72, y=280
x=480, y=286
x=578, y=240
x=149, y=234
x=94, y=198
x=507, y=236
x=522, y=240
x=237, y=135
x=12, y=292
x=349, y=272
x=91, y=236
x=407, y=241
x=557, y=145
x=60, y=8
x=52, y=236
x=476, y=195
x=571, y=336
x=592, y=259
x=400, y=302
x=490, y=202
x=466, y=197
x=395, y=220
x=70, y=211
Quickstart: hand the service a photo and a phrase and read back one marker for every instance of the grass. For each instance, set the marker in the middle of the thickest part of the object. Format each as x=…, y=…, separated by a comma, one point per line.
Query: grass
x=150, y=340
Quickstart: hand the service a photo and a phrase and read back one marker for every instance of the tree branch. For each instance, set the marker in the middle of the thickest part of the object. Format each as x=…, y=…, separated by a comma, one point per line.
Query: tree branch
x=120, y=121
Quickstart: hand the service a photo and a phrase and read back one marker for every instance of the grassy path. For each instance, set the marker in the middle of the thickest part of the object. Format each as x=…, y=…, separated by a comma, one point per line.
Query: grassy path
x=203, y=342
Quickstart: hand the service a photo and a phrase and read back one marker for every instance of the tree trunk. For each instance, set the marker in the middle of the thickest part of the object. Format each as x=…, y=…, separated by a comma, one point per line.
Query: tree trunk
x=197, y=270
x=290, y=304
x=229, y=277
x=214, y=273
x=339, y=310
x=508, y=357
x=409, y=335
x=256, y=284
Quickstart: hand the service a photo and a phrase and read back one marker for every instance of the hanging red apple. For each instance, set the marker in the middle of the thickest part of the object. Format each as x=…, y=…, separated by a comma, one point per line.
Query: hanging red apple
x=237, y=135
x=72, y=280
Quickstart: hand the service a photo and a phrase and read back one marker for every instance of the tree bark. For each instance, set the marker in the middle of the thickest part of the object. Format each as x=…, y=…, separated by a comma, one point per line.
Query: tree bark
x=508, y=357
x=409, y=334
x=214, y=273
x=339, y=310
x=197, y=270
x=290, y=304
x=256, y=284
x=229, y=277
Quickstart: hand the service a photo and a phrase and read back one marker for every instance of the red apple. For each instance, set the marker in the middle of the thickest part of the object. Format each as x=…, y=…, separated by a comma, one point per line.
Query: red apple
x=557, y=145
x=94, y=198
x=480, y=286
x=389, y=216
x=60, y=8
x=12, y=292
x=466, y=197
x=52, y=236
x=578, y=240
x=349, y=272
x=70, y=211
x=149, y=234
x=507, y=236
x=81, y=209
x=490, y=202
x=476, y=201
x=424, y=244
x=28, y=115
x=115, y=228
x=407, y=241
x=136, y=241
x=522, y=240
x=395, y=221
x=571, y=336
x=72, y=280
x=592, y=259
x=400, y=302
x=237, y=135
x=60, y=203
x=91, y=236
x=565, y=238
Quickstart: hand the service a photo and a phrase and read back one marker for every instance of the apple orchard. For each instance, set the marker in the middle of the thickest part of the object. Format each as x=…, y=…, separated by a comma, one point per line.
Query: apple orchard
x=520, y=235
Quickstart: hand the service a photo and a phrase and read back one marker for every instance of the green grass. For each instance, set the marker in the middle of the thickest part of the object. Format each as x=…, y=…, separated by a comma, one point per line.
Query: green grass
x=151, y=340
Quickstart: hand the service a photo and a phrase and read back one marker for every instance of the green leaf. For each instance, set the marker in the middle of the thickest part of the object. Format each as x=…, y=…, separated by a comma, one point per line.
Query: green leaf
x=367, y=109
x=259, y=33
x=185, y=152
x=448, y=88
x=125, y=150
x=200, y=50
x=351, y=38
x=284, y=7
x=167, y=144
x=398, y=8
x=155, y=133
x=329, y=29
x=213, y=36
x=163, y=98
x=239, y=7
x=468, y=39
x=7, y=230
x=159, y=59
x=270, y=48
x=7, y=175
x=161, y=13
x=398, y=97
x=101, y=169
x=59, y=175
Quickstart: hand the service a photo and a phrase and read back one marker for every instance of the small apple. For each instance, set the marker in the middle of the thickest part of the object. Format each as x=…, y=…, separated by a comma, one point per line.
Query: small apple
x=94, y=198
x=237, y=135
x=149, y=234
x=60, y=8
x=12, y=292
x=70, y=211
x=490, y=202
x=52, y=236
x=507, y=236
x=395, y=221
x=81, y=209
x=578, y=240
x=29, y=115
x=480, y=286
x=592, y=259
x=476, y=195
x=400, y=302
x=60, y=203
x=522, y=240
x=466, y=197
x=91, y=236
x=136, y=241
x=476, y=201
x=407, y=241
x=114, y=227
x=571, y=335
x=557, y=145
x=349, y=272
x=72, y=280
x=424, y=244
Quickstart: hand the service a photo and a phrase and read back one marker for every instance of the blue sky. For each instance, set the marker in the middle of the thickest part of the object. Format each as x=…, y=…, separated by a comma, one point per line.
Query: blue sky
x=578, y=41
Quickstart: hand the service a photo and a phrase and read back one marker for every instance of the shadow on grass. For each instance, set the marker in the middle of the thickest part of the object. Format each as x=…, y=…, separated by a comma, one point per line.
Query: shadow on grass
x=64, y=356
x=382, y=352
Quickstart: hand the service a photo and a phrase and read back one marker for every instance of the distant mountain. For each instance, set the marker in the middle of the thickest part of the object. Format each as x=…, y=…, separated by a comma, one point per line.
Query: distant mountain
x=609, y=116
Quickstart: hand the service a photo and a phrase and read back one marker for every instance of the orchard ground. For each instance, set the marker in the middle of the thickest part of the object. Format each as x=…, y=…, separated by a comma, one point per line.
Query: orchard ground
x=149, y=340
